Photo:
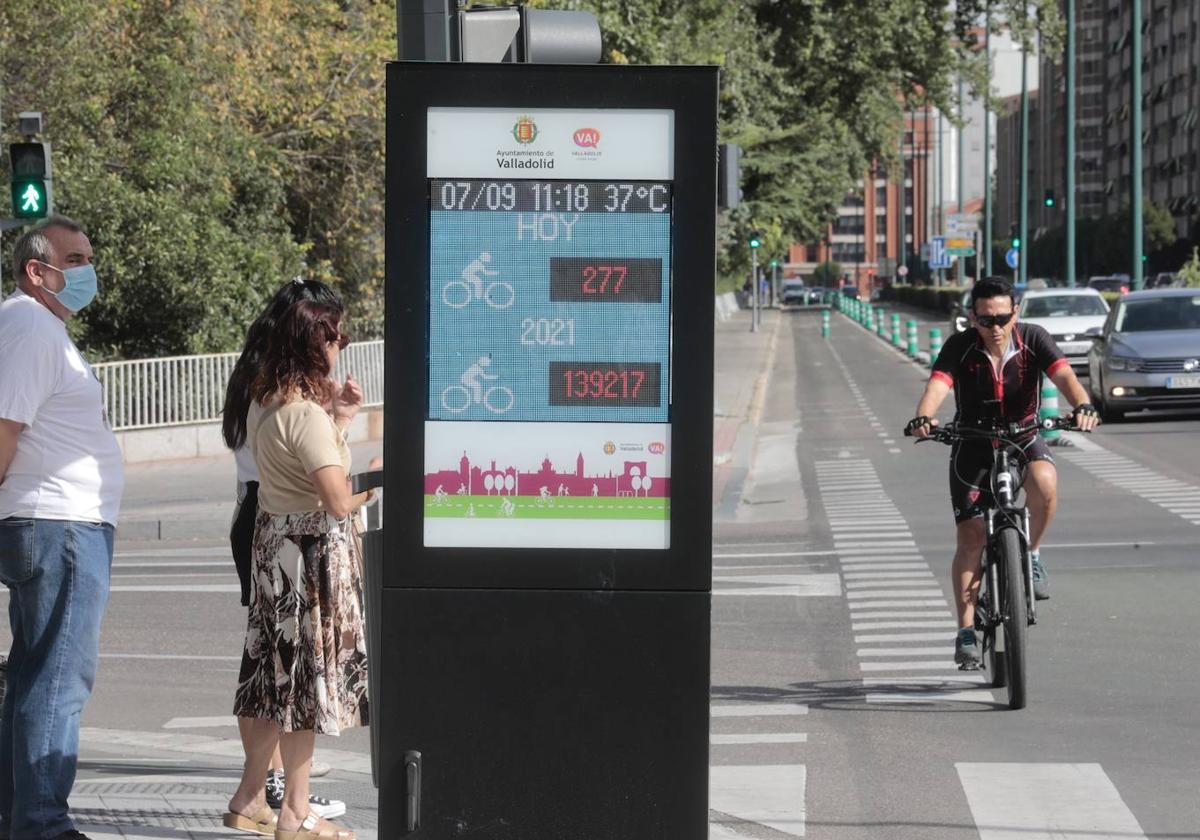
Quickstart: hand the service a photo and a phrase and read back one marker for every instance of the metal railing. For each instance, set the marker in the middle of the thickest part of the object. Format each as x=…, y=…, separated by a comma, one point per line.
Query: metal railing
x=181, y=390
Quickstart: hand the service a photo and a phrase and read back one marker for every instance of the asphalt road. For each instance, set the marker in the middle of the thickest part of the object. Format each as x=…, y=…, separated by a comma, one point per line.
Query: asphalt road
x=836, y=710
x=898, y=745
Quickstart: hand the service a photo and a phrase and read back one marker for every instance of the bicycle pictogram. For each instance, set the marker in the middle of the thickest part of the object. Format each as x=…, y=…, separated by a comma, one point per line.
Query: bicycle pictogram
x=458, y=398
x=496, y=294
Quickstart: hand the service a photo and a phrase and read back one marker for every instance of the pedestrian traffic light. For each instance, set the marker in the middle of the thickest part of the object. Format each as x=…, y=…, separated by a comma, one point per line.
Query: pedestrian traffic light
x=1049, y=198
x=30, y=179
x=755, y=239
x=1016, y=242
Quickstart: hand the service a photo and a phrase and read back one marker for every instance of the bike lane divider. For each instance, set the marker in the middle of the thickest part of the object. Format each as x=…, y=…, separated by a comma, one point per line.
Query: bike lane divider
x=1178, y=497
x=898, y=610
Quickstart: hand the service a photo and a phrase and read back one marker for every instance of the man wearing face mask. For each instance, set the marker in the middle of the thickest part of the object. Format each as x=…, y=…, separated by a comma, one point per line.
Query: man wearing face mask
x=60, y=489
x=995, y=372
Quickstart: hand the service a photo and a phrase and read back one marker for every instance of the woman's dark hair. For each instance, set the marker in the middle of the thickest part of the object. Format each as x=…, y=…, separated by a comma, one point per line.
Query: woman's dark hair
x=992, y=287
x=297, y=358
x=249, y=364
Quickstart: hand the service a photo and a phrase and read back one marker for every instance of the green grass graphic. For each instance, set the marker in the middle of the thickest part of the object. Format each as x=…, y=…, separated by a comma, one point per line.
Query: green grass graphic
x=556, y=507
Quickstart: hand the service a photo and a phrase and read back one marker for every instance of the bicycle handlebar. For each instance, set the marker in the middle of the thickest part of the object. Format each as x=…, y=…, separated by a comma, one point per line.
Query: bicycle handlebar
x=952, y=431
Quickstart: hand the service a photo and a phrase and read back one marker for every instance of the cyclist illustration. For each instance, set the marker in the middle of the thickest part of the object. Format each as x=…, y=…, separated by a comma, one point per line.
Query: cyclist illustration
x=496, y=398
x=462, y=490
x=544, y=496
x=439, y=495
x=595, y=491
x=507, y=508
x=497, y=294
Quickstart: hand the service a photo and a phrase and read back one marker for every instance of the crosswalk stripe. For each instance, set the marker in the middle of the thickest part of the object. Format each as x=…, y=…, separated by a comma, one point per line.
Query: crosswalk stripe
x=963, y=679
x=770, y=795
x=916, y=579
x=912, y=665
x=979, y=695
x=758, y=709
x=759, y=738
x=864, y=614
x=904, y=651
x=892, y=592
x=884, y=565
x=1037, y=801
x=902, y=625
x=864, y=577
x=898, y=603
x=899, y=637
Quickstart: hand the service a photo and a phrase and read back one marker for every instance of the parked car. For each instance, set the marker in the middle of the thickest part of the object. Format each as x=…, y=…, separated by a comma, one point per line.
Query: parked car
x=1068, y=315
x=1113, y=283
x=1148, y=353
x=793, y=290
x=1163, y=280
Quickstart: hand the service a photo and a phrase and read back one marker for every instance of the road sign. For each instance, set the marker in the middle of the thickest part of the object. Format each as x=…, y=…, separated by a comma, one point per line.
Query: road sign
x=938, y=256
x=902, y=271
x=1013, y=257
x=961, y=224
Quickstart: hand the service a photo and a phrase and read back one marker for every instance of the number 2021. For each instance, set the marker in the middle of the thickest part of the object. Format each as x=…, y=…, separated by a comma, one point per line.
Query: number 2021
x=548, y=331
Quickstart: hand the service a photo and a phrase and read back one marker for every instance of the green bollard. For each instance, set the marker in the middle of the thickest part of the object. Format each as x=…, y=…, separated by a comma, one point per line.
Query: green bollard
x=914, y=344
x=825, y=324
x=880, y=322
x=897, y=340
x=1049, y=409
x=935, y=344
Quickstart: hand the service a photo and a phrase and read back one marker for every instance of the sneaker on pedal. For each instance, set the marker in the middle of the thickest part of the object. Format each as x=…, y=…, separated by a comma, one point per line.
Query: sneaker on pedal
x=966, y=650
x=319, y=805
x=1041, y=581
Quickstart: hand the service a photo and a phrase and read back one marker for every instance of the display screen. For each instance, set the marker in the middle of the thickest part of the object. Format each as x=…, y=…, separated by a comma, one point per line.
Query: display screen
x=549, y=300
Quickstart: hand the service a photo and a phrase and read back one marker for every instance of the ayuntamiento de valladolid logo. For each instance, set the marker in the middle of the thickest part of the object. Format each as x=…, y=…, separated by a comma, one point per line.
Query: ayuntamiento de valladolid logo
x=525, y=132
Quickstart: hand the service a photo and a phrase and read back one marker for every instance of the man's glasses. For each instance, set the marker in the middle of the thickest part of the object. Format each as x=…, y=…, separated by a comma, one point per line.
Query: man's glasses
x=990, y=321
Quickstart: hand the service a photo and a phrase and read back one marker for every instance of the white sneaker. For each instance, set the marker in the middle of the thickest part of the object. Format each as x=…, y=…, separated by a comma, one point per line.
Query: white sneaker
x=326, y=808
x=318, y=768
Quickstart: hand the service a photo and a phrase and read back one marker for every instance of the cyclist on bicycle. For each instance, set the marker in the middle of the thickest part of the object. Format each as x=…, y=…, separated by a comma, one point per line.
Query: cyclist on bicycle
x=475, y=268
x=472, y=376
x=994, y=371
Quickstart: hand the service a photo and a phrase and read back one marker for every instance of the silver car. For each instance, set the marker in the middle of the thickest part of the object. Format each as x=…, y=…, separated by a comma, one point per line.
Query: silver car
x=1148, y=353
x=1068, y=315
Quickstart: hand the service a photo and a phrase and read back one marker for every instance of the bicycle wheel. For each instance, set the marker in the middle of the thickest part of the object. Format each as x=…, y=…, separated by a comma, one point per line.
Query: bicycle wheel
x=993, y=657
x=1016, y=623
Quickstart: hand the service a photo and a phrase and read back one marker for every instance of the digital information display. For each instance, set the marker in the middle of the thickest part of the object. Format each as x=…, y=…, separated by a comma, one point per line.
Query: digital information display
x=549, y=357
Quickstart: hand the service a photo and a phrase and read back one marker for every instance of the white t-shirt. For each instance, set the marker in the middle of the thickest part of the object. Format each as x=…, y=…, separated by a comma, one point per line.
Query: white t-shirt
x=68, y=463
x=243, y=457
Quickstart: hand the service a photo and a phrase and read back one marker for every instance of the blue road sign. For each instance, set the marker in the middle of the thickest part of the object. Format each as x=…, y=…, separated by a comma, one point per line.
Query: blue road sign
x=938, y=258
x=1013, y=257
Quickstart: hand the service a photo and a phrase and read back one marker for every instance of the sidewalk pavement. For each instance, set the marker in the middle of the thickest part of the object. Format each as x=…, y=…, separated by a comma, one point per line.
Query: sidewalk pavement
x=132, y=785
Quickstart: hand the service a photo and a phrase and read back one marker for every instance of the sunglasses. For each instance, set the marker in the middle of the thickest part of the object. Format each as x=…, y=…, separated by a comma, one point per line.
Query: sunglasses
x=990, y=321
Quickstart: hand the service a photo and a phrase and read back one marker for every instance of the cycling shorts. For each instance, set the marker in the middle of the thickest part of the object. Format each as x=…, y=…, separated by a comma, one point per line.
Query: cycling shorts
x=970, y=464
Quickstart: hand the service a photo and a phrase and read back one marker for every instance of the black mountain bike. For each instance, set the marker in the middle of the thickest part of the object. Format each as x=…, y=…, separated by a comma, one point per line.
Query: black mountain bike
x=1005, y=608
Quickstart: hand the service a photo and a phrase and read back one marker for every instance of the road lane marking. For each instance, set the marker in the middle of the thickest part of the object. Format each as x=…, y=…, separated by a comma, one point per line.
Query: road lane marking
x=758, y=709
x=776, y=554
x=197, y=587
x=911, y=665
x=899, y=637
x=1038, y=801
x=960, y=680
x=171, y=657
x=892, y=592
x=769, y=795
x=979, y=695
x=941, y=602
x=176, y=564
x=904, y=651
x=200, y=722
x=872, y=615
x=902, y=625
x=762, y=738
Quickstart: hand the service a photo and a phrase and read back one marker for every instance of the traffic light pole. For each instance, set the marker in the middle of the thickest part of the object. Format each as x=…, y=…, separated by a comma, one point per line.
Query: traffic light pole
x=1023, y=210
x=1069, y=267
x=988, y=235
x=754, y=290
x=962, y=192
x=1135, y=143
x=902, y=252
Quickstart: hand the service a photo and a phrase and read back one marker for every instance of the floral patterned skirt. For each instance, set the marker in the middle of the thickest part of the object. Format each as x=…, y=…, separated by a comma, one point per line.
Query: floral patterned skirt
x=304, y=665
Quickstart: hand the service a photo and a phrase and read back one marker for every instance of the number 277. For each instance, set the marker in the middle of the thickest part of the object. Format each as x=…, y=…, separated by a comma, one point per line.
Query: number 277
x=596, y=279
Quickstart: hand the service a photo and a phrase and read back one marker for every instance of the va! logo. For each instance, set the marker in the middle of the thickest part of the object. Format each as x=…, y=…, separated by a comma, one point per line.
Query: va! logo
x=587, y=138
x=657, y=448
x=610, y=448
x=525, y=131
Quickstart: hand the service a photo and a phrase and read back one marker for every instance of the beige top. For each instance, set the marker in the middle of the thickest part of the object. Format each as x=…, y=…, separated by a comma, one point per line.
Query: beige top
x=290, y=442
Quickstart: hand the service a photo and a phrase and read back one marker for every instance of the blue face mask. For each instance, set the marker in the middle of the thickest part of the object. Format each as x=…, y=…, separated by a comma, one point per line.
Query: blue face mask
x=80, y=286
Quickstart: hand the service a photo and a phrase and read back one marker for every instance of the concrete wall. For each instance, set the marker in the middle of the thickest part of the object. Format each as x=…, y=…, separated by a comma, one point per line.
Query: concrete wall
x=203, y=440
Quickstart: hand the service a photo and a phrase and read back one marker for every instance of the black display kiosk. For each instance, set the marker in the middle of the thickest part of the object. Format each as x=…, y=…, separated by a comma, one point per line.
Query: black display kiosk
x=541, y=665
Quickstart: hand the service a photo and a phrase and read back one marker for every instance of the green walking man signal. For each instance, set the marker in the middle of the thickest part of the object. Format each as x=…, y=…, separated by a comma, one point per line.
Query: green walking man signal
x=755, y=239
x=31, y=197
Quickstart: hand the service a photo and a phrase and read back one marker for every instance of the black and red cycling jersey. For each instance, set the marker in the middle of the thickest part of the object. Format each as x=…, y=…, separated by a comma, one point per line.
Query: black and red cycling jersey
x=1014, y=396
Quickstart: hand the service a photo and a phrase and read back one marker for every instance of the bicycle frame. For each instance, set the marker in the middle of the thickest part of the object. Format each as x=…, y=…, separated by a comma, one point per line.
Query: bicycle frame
x=1006, y=509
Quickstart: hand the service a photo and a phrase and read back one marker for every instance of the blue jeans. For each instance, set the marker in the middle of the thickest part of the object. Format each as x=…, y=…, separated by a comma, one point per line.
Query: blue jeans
x=57, y=573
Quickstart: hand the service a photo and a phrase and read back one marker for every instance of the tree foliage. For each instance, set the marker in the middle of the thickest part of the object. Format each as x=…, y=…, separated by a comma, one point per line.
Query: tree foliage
x=212, y=149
